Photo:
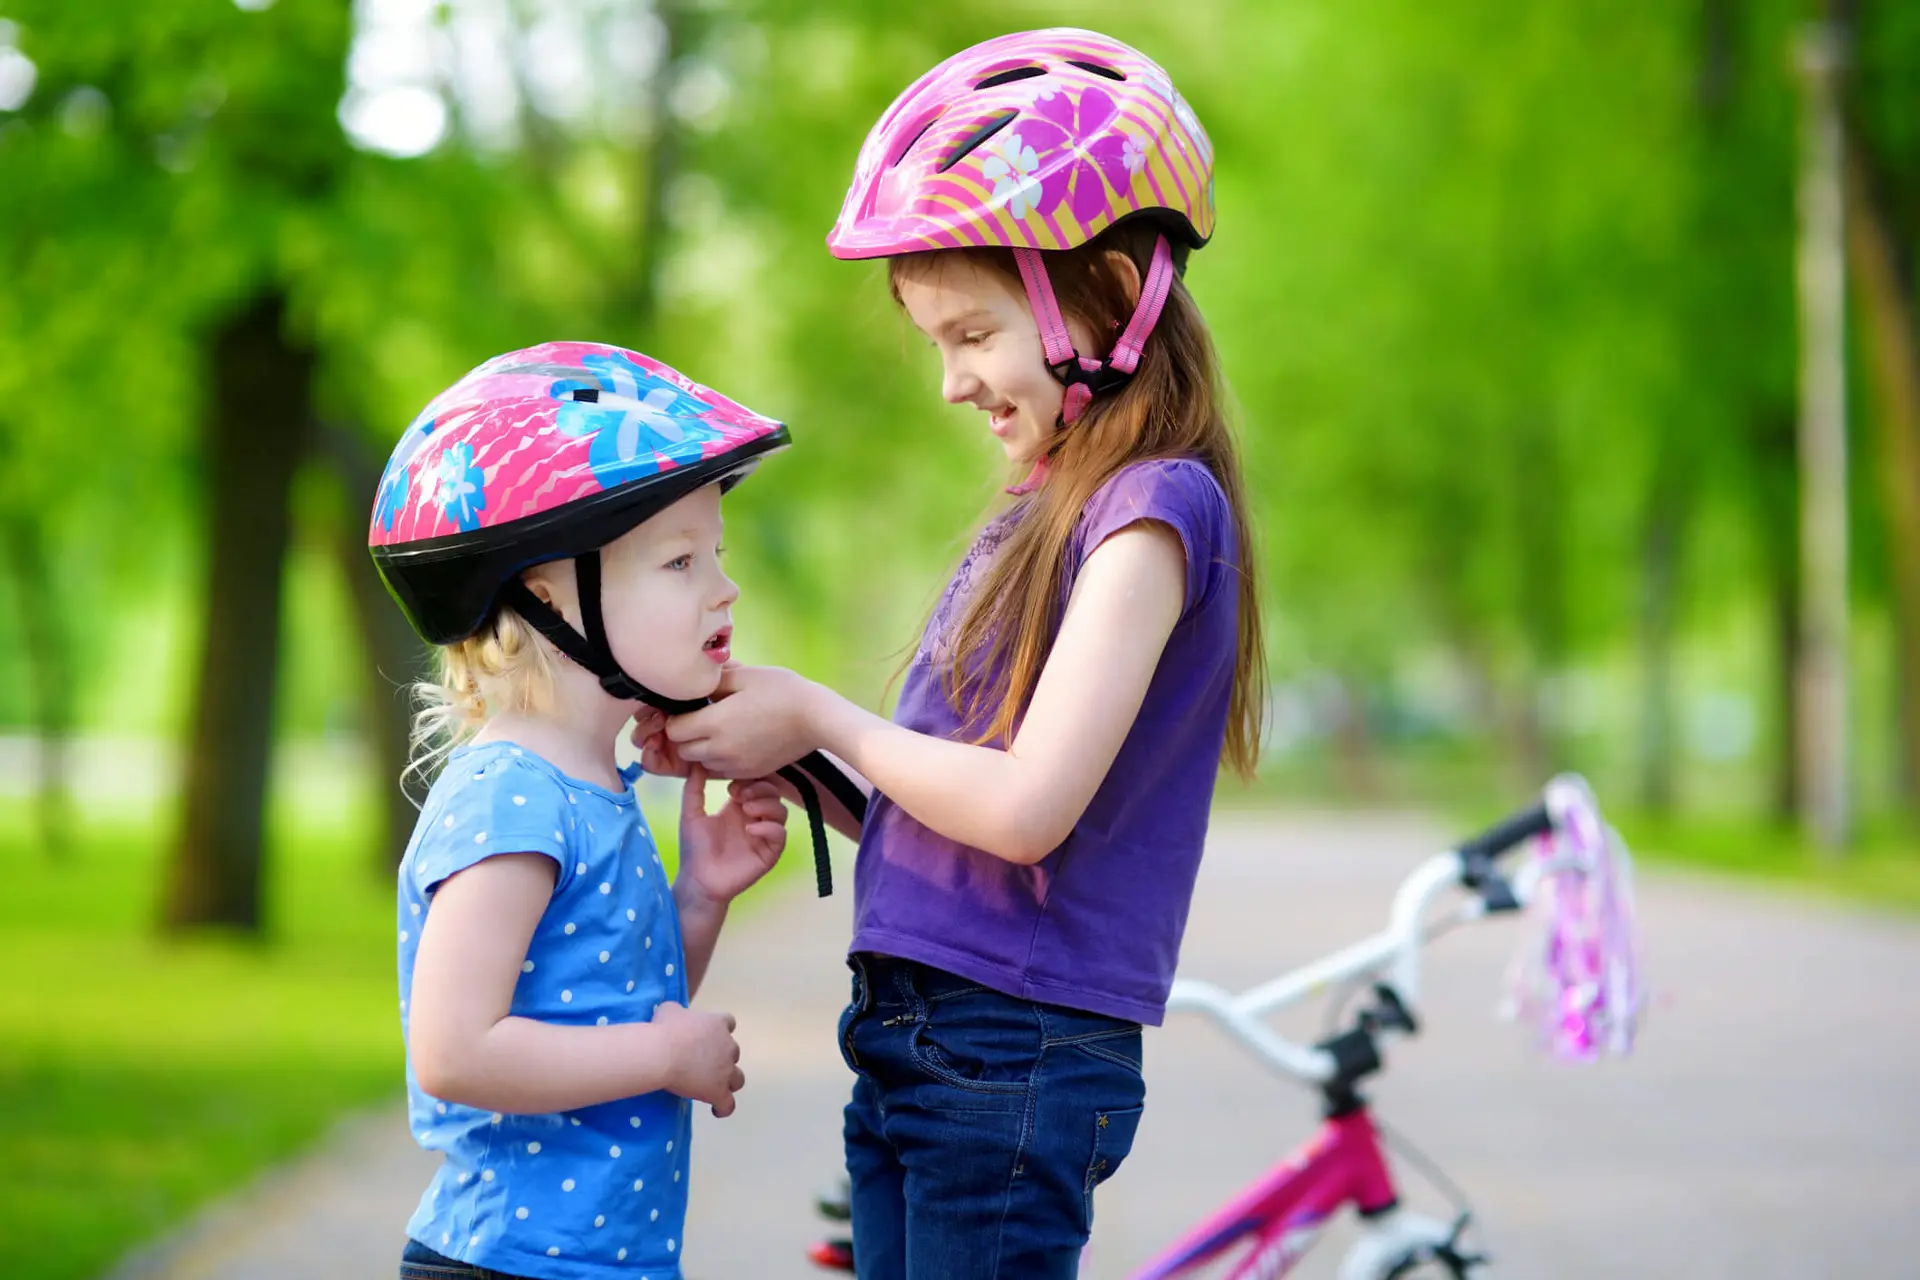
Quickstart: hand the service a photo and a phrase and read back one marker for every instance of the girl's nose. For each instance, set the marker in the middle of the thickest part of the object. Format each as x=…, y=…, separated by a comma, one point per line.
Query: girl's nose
x=958, y=384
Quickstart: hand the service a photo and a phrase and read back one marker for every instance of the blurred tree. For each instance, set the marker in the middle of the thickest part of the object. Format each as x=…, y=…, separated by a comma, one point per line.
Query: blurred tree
x=257, y=435
x=1883, y=205
x=1504, y=296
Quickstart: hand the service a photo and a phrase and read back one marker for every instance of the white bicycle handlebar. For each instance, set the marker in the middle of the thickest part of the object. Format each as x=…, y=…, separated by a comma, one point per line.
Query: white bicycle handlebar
x=1394, y=953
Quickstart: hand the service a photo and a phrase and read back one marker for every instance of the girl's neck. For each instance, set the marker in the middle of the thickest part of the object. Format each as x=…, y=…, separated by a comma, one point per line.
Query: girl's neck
x=576, y=735
x=570, y=752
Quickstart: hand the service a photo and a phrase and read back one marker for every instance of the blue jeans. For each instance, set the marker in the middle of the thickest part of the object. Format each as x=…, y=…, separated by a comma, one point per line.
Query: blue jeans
x=418, y=1262
x=980, y=1125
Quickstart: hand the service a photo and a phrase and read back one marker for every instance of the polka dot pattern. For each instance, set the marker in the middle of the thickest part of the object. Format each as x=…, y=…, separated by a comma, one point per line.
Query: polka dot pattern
x=606, y=951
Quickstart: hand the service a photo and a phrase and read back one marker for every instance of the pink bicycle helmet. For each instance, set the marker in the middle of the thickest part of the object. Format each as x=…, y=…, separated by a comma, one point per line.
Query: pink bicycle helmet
x=543, y=454
x=1033, y=142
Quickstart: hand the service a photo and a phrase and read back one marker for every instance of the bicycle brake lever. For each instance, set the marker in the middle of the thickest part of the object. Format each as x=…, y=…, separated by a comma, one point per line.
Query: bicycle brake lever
x=1450, y=1251
x=1497, y=892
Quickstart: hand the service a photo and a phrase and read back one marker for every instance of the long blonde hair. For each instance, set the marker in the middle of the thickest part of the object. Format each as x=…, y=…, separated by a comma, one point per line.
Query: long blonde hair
x=1172, y=408
x=502, y=667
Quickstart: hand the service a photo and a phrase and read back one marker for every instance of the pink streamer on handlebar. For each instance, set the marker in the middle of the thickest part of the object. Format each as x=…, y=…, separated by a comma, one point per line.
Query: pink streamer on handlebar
x=1579, y=980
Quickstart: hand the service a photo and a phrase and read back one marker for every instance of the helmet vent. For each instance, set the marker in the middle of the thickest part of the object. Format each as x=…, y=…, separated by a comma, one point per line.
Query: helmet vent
x=1008, y=77
x=1097, y=69
x=585, y=395
x=978, y=136
x=912, y=138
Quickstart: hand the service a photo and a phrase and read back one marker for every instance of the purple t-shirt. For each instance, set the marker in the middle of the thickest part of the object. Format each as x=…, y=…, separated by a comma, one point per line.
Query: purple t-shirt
x=1095, y=925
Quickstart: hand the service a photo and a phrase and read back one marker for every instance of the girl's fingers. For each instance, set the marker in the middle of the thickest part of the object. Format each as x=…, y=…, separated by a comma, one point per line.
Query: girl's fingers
x=693, y=794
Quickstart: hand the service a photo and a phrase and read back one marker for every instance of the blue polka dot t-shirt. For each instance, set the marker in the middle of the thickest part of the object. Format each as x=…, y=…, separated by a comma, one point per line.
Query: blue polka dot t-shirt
x=581, y=1195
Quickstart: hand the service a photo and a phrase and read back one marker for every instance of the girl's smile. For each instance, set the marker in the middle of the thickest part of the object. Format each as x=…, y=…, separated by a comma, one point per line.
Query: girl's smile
x=990, y=350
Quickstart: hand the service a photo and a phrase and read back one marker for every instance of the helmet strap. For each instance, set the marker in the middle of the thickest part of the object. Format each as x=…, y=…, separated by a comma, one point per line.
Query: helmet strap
x=1084, y=377
x=590, y=651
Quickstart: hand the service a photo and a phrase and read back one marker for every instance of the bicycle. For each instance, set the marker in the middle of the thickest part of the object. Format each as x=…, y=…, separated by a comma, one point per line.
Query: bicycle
x=1586, y=989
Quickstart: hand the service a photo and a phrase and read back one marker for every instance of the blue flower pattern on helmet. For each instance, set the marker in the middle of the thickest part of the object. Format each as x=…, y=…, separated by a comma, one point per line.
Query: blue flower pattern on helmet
x=396, y=479
x=460, y=487
x=642, y=423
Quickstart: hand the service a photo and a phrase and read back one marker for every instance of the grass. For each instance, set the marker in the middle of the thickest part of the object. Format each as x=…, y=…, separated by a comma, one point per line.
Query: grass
x=1883, y=869
x=140, y=1078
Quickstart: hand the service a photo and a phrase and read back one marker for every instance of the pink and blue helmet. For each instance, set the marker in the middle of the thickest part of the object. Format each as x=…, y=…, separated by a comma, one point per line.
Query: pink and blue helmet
x=551, y=453
x=543, y=454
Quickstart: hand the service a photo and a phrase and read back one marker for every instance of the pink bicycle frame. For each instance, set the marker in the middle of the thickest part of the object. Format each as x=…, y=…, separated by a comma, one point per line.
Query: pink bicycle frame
x=1284, y=1210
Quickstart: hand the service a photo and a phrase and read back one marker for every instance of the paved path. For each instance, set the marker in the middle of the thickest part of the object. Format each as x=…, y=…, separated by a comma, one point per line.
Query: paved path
x=1768, y=1128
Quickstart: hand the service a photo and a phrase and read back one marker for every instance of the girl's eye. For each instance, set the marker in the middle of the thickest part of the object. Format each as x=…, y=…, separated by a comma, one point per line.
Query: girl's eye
x=680, y=562
x=974, y=339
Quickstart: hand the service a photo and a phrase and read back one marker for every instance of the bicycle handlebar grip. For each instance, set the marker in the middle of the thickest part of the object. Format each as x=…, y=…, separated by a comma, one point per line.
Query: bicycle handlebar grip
x=1508, y=832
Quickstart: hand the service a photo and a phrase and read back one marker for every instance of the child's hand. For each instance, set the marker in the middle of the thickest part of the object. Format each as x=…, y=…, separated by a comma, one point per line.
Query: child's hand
x=659, y=756
x=722, y=854
x=758, y=723
x=704, y=1055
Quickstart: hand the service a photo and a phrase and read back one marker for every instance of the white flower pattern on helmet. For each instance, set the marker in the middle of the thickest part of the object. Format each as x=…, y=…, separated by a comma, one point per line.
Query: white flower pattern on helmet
x=1013, y=166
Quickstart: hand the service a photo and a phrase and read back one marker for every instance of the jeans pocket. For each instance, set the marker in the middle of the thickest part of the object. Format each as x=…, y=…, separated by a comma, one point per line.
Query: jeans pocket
x=1119, y=1048
x=978, y=1041
x=1113, y=1133
x=847, y=1019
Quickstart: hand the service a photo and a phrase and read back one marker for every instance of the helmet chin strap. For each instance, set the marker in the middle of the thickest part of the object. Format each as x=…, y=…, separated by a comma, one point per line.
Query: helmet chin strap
x=590, y=651
x=1084, y=376
x=593, y=653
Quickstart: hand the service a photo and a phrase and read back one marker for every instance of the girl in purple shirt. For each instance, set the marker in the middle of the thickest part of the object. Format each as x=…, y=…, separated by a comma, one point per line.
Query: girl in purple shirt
x=1040, y=797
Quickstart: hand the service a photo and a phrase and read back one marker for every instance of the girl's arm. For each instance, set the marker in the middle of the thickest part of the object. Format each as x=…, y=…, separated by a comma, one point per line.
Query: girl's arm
x=836, y=814
x=465, y=1046
x=1019, y=803
x=722, y=855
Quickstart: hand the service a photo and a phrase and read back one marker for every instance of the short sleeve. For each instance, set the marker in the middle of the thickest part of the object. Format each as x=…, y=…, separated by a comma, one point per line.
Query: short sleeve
x=1183, y=495
x=502, y=805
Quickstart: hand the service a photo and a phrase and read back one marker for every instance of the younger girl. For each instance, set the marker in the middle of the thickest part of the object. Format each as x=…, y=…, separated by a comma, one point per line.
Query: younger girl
x=564, y=500
x=1042, y=794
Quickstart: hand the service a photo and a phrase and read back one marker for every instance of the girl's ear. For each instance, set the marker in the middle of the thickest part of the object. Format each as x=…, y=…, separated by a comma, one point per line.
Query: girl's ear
x=542, y=579
x=1128, y=275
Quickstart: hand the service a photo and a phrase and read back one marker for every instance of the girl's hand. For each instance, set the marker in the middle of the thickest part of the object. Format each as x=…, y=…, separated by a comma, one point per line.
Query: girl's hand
x=723, y=854
x=758, y=724
x=704, y=1054
x=659, y=757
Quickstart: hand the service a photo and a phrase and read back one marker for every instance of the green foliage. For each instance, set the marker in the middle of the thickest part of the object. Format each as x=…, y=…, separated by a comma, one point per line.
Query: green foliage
x=1495, y=290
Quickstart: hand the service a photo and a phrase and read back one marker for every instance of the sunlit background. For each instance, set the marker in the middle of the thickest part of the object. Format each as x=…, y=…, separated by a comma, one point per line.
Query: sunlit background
x=1506, y=296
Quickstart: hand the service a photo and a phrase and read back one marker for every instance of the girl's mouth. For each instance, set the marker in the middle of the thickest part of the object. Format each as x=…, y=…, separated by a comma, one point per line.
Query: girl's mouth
x=718, y=644
x=1000, y=421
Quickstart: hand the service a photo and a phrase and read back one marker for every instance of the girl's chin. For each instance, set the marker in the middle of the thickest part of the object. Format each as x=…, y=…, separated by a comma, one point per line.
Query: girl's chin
x=688, y=687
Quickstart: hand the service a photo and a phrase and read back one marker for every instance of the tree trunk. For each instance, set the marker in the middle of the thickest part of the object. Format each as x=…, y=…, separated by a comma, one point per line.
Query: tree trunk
x=49, y=679
x=1354, y=753
x=1825, y=746
x=256, y=436
x=1542, y=604
x=1893, y=362
x=1777, y=521
x=641, y=295
x=1659, y=590
x=395, y=657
